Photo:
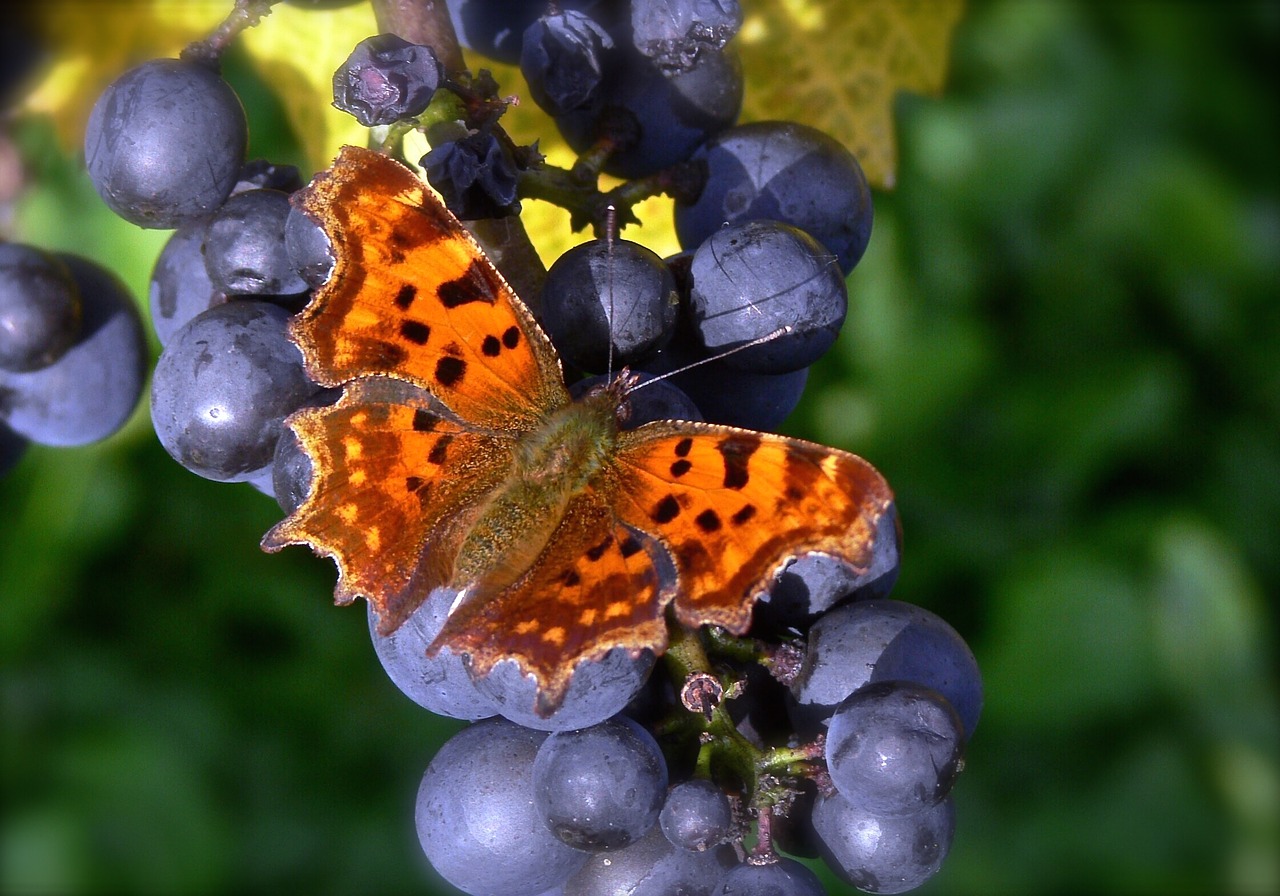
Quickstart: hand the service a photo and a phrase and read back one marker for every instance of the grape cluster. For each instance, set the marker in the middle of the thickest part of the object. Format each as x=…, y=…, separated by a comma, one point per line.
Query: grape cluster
x=837, y=724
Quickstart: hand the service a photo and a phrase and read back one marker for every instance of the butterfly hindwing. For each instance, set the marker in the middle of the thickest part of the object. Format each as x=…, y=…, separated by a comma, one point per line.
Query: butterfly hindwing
x=595, y=587
x=412, y=296
x=732, y=506
x=393, y=488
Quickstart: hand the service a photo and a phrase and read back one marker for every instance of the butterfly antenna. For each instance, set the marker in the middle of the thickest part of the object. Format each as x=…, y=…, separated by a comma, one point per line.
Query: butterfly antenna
x=610, y=230
x=767, y=337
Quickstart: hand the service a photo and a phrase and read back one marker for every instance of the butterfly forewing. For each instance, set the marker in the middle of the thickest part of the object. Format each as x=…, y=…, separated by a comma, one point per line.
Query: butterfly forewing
x=733, y=506
x=412, y=296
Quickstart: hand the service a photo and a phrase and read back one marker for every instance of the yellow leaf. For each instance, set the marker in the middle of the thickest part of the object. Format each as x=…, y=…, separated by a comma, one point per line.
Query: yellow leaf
x=838, y=64
x=296, y=51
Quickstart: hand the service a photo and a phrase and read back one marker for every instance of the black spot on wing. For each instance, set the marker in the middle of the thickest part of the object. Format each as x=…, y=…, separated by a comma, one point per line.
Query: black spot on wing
x=424, y=421
x=475, y=285
x=440, y=449
x=708, y=521
x=629, y=546
x=683, y=447
x=665, y=510
x=511, y=337
x=450, y=370
x=404, y=298
x=595, y=552
x=737, y=451
x=570, y=578
x=747, y=512
x=413, y=483
x=680, y=467
x=491, y=347
x=415, y=331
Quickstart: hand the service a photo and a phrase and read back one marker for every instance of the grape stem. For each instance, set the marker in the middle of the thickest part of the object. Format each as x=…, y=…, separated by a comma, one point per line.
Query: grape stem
x=245, y=14
x=769, y=777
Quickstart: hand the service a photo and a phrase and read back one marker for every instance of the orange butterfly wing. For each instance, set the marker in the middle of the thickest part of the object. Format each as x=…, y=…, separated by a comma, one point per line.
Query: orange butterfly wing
x=594, y=588
x=734, y=506
x=395, y=486
x=413, y=297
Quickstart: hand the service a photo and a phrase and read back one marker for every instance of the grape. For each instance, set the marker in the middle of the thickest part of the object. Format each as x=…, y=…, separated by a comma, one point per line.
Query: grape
x=476, y=818
x=598, y=690
x=664, y=119
x=440, y=683
x=600, y=787
x=223, y=386
x=660, y=400
x=244, y=250
x=891, y=854
x=651, y=867
x=785, y=877
x=894, y=747
x=815, y=583
x=39, y=308
x=90, y=391
x=885, y=640
x=386, y=79
x=12, y=447
x=725, y=395
x=752, y=278
x=308, y=248
x=180, y=284
x=673, y=33
x=696, y=815
x=495, y=28
x=290, y=472
x=165, y=143
x=785, y=172
x=561, y=59
x=604, y=291
x=475, y=176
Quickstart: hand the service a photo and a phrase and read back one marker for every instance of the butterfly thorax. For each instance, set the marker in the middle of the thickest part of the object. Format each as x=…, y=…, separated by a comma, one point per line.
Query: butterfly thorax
x=551, y=464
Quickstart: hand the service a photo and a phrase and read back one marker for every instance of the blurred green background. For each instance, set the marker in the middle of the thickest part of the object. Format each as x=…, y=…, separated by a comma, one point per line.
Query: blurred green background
x=1064, y=353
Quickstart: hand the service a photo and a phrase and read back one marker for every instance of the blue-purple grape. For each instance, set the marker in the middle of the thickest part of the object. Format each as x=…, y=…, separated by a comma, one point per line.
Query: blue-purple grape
x=165, y=143
x=244, y=250
x=180, y=285
x=894, y=747
x=675, y=33
x=652, y=866
x=223, y=386
x=600, y=787
x=696, y=815
x=476, y=818
x=561, y=58
x=749, y=280
x=883, y=854
x=440, y=683
x=598, y=690
x=609, y=292
x=386, y=79
x=782, y=171
x=94, y=386
x=39, y=308
x=885, y=640
x=785, y=877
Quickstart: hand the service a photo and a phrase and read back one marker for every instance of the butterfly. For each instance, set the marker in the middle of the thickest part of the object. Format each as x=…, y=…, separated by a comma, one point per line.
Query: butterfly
x=456, y=458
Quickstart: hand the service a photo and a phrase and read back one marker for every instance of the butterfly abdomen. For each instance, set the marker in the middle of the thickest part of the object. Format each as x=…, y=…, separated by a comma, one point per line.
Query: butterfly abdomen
x=552, y=464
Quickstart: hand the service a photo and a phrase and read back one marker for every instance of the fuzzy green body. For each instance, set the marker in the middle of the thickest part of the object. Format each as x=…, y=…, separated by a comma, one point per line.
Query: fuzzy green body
x=551, y=465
